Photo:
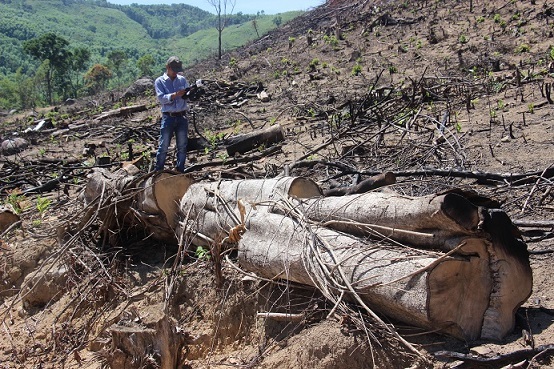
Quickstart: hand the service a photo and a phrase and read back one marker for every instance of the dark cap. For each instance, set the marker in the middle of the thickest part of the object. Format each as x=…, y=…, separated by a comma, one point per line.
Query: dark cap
x=175, y=64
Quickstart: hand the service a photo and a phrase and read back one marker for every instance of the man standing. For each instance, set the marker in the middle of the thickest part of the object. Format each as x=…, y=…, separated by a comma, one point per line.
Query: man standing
x=171, y=92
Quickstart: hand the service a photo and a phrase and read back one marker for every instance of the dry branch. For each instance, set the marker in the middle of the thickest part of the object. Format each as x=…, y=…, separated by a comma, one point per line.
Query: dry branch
x=119, y=112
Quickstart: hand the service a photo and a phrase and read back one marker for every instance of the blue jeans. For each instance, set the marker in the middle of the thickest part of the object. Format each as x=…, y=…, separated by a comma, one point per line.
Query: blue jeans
x=178, y=126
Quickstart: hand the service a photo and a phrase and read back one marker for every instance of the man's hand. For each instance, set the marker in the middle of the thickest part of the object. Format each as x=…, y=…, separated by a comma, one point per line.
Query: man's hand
x=179, y=93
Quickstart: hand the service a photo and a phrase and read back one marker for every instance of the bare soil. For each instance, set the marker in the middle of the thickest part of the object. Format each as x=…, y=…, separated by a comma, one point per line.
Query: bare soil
x=412, y=87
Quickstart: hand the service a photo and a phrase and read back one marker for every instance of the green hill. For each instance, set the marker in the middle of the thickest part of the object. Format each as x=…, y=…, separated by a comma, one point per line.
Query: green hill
x=103, y=28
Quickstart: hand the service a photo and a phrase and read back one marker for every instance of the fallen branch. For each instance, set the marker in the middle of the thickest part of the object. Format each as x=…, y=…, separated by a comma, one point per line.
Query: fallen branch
x=282, y=317
x=498, y=359
x=511, y=178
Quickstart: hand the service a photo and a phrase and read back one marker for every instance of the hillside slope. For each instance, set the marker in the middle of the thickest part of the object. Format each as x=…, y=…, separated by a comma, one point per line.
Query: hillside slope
x=138, y=30
x=444, y=95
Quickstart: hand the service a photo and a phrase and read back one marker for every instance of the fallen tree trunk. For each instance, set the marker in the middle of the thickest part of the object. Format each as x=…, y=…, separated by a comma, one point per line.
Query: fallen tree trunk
x=246, y=142
x=467, y=278
x=427, y=221
x=471, y=294
x=441, y=222
x=450, y=294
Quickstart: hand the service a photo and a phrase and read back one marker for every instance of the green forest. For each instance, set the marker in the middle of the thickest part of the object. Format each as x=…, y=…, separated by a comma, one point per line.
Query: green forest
x=51, y=50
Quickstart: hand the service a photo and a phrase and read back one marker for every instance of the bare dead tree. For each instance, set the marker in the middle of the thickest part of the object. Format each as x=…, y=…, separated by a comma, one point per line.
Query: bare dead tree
x=223, y=10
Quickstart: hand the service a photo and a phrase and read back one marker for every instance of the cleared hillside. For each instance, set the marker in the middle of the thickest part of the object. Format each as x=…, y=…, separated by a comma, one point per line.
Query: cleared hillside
x=449, y=97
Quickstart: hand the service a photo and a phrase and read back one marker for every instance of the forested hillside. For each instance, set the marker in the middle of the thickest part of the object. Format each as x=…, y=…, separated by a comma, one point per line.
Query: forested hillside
x=129, y=41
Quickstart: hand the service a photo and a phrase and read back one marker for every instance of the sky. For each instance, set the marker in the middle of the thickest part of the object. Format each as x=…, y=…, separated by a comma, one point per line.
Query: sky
x=244, y=6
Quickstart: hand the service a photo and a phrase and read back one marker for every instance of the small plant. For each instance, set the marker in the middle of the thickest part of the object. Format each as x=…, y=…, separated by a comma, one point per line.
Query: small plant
x=523, y=48
x=313, y=64
x=233, y=63
x=43, y=204
x=202, y=253
x=531, y=108
x=212, y=138
x=497, y=18
x=393, y=69
x=501, y=104
x=16, y=199
x=356, y=70
x=480, y=19
x=223, y=157
x=462, y=39
x=331, y=40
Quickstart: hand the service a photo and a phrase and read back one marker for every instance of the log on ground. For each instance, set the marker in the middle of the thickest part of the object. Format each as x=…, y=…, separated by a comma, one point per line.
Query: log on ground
x=249, y=141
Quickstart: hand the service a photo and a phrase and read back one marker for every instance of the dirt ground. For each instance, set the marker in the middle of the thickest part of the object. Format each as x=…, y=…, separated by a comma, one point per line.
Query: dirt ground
x=411, y=87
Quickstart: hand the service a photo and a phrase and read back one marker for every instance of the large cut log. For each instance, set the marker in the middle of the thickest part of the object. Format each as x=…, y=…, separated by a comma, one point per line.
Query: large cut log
x=427, y=221
x=221, y=200
x=471, y=294
x=467, y=278
x=249, y=141
x=440, y=222
x=450, y=294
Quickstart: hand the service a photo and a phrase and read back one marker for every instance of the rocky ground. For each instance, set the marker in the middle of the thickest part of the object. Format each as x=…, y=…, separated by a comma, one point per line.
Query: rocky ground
x=418, y=88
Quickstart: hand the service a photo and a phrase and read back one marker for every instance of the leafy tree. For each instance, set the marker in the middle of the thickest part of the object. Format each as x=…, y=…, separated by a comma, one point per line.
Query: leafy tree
x=79, y=61
x=222, y=15
x=8, y=94
x=277, y=20
x=52, y=48
x=145, y=65
x=116, y=59
x=97, y=78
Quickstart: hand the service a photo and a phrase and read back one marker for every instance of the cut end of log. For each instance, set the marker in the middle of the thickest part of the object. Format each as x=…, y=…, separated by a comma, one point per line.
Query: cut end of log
x=303, y=188
x=459, y=290
x=161, y=197
x=7, y=218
